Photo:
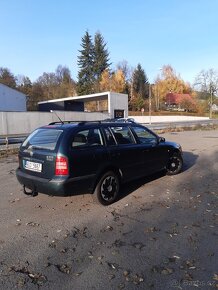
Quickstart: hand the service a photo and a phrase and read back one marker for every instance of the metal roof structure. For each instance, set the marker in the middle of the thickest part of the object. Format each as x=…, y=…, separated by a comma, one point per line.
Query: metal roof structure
x=87, y=98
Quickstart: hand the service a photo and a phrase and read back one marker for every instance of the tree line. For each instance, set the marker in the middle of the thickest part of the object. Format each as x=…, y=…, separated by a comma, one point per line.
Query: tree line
x=96, y=75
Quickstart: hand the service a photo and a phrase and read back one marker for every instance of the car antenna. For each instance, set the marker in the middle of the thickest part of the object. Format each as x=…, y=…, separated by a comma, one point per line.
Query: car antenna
x=57, y=116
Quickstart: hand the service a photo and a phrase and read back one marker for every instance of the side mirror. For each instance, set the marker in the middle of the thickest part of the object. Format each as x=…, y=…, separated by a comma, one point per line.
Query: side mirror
x=161, y=139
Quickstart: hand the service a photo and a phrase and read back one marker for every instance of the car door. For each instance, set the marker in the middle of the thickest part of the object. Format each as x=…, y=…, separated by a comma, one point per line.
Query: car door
x=124, y=151
x=87, y=154
x=154, y=155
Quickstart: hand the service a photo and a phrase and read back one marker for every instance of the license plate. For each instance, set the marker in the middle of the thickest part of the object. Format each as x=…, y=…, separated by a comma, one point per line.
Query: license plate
x=33, y=166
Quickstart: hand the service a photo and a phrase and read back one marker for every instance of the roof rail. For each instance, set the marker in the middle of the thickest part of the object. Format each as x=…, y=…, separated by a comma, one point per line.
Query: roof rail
x=120, y=120
x=84, y=122
x=63, y=122
x=69, y=122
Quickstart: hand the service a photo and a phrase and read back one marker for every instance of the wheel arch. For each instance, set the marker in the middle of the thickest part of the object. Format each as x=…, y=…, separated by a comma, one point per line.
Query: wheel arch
x=174, y=151
x=107, y=168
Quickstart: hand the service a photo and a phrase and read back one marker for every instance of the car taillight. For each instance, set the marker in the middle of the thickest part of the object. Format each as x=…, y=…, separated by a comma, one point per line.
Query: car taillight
x=61, y=166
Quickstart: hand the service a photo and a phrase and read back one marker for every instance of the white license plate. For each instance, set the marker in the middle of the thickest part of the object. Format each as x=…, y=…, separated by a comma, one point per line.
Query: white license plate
x=33, y=166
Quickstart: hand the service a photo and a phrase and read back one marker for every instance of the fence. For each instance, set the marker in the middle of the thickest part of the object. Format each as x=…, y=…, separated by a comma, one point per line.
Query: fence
x=22, y=123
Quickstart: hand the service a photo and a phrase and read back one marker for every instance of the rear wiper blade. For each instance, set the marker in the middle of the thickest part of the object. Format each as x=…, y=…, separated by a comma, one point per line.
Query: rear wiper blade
x=39, y=147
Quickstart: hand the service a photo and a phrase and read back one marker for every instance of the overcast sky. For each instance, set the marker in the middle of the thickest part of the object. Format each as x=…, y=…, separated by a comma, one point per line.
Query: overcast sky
x=38, y=35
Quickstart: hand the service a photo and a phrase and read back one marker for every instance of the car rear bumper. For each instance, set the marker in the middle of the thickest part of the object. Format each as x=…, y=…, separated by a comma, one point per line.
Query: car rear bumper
x=61, y=186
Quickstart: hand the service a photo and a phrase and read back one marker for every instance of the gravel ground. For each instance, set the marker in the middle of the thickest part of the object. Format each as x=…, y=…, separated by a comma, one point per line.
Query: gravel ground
x=161, y=234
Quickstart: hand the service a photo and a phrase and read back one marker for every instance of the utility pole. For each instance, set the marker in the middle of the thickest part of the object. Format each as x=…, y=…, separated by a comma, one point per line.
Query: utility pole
x=211, y=100
x=150, y=103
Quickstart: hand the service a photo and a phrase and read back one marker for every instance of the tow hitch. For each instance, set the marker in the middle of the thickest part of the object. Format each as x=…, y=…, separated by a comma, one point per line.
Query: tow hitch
x=31, y=192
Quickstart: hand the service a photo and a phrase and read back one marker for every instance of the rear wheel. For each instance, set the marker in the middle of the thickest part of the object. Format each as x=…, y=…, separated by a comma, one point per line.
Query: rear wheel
x=175, y=164
x=107, y=189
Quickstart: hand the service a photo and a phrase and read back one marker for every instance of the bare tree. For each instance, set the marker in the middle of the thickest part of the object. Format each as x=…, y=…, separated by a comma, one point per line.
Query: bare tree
x=207, y=82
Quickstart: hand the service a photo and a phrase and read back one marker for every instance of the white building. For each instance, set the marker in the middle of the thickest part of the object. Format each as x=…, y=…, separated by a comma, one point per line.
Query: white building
x=117, y=104
x=11, y=100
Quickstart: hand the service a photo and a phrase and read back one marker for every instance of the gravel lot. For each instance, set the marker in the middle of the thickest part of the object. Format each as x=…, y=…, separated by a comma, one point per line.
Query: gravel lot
x=161, y=234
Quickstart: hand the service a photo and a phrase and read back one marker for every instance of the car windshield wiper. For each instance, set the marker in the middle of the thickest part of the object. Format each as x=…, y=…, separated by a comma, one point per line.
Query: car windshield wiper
x=31, y=147
x=40, y=147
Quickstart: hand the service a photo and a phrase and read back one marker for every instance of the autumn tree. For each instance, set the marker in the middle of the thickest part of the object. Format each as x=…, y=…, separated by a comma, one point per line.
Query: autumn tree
x=66, y=86
x=114, y=81
x=168, y=82
x=7, y=78
x=36, y=96
x=126, y=69
x=118, y=81
x=48, y=82
x=24, y=84
x=127, y=72
x=51, y=85
x=187, y=102
x=105, y=81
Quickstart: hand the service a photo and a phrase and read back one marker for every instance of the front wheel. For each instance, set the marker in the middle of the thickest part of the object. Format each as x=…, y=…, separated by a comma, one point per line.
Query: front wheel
x=175, y=164
x=107, y=189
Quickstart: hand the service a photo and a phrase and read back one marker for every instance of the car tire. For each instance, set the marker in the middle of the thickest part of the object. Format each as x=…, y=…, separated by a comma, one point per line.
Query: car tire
x=107, y=189
x=175, y=164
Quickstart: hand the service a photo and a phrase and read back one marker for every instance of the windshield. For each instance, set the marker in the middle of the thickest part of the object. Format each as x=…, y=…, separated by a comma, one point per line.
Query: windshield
x=42, y=139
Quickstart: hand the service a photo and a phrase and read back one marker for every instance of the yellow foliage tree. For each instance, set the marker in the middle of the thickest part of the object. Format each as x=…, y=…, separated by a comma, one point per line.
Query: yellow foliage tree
x=105, y=81
x=118, y=81
x=113, y=82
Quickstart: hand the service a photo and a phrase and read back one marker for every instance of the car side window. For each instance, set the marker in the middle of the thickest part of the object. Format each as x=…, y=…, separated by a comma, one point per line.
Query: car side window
x=123, y=135
x=144, y=135
x=109, y=137
x=89, y=137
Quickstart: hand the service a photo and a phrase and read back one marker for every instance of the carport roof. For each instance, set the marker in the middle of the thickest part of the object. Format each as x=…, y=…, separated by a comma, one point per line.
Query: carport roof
x=92, y=97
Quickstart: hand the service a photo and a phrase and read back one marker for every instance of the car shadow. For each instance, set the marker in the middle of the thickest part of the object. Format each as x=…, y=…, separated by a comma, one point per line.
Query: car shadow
x=129, y=187
x=189, y=159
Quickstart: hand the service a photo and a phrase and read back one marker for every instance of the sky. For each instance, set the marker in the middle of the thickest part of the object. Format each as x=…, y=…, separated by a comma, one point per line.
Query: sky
x=38, y=35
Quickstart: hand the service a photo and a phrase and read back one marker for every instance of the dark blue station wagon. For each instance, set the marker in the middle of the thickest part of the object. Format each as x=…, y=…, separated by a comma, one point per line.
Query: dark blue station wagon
x=67, y=158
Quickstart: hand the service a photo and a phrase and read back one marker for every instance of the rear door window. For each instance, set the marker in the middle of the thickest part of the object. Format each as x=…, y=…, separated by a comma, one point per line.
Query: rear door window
x=90, y=137
x=42, y=139
x=109, y=137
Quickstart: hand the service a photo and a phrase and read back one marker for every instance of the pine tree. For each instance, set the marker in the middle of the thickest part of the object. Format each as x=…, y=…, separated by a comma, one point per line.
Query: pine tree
x=85, y=63
x=140, y=84
x=101, y=56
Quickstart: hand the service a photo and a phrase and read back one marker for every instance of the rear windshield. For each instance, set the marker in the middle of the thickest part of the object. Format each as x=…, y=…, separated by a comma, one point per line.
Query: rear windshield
x=42, y=139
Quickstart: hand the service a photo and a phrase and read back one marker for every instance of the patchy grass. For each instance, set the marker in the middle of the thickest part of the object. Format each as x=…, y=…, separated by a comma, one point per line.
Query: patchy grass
x=168, y=113
x=191, y=128
x=8, y=152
